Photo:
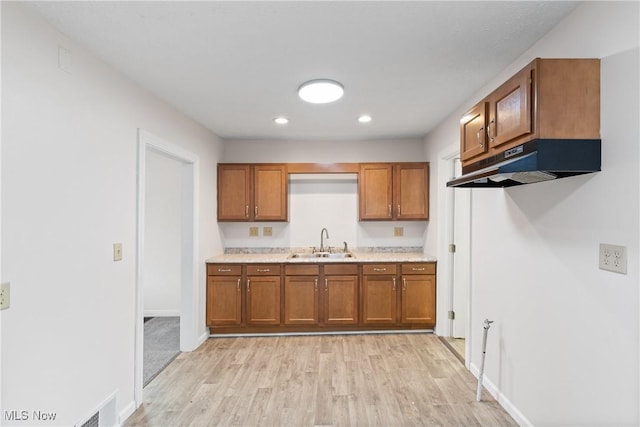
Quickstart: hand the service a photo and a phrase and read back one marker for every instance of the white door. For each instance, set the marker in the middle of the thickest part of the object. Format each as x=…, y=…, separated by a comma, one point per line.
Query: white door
x=461, y=258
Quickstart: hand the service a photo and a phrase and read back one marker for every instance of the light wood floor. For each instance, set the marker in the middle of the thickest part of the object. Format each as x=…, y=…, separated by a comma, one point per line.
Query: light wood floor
x=340, y=380
x=457, y=345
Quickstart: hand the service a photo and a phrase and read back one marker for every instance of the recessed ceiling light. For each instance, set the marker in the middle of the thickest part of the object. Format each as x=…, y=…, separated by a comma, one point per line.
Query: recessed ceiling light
x=365, y=118
x=321, y=91
x=281, y=120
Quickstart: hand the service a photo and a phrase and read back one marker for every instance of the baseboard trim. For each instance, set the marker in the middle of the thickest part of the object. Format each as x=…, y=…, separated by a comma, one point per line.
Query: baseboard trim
x=161, y=313
x=126, y=412
x=293, y=334
x=202, y=339
x=501, y=398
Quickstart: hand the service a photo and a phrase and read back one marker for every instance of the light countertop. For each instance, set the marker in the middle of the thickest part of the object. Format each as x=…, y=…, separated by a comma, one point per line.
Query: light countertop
x=282, y=258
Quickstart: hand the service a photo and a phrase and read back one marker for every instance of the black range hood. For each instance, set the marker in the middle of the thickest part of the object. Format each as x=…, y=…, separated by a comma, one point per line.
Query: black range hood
x=533, y=161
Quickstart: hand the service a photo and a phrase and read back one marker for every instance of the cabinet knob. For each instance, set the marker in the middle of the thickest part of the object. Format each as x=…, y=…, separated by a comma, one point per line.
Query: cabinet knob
x=404, y=284
x=315, y=284
x=248, y=285
x=326, y=285
x=478, y=138
x=238, y=286
x=263, y=270
x=224, y=270
x=398, y=209
x=379, y=269
x=394, y=283
x=389, y=210
x=255, y=211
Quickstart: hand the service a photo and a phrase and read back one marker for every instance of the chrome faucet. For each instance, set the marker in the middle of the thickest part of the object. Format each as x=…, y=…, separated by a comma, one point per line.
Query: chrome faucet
x=323, y=232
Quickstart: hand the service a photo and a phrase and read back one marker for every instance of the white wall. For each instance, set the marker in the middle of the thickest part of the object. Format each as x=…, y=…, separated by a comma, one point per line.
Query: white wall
x=564, y=348
x=69, y=153
x=330, y=203
x=163, y=235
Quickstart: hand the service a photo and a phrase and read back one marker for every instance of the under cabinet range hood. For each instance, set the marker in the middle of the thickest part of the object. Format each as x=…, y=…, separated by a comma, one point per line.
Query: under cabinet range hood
x=533, y=161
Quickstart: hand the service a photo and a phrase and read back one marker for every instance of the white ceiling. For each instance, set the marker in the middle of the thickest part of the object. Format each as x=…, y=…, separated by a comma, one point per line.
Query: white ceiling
x=233, y=66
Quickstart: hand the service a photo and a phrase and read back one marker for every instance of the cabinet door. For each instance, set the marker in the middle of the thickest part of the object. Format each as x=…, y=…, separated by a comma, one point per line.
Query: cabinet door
x=375, y=191
x=270, y=193
x=473, y=133
x=379, y=300
x=418, y=299
x=263, y=300
x=301, y=300
x=411, y=191
x=224, y=301
x=510, y=114
x=341, y=300
x=234, y=192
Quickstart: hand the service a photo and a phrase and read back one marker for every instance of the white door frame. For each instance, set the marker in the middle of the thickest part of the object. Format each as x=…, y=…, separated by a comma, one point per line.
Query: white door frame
x=444, y=327
x=189, y=304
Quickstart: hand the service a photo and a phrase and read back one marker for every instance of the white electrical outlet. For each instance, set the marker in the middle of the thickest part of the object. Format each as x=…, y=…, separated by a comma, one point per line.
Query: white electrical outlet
x=613, y=258
x=5, y=297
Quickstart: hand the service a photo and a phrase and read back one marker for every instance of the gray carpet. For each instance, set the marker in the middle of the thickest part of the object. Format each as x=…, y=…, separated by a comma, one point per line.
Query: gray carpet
x=161, y=345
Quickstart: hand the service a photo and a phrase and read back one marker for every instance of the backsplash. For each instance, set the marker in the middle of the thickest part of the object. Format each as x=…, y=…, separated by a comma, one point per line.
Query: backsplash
x=368, y=249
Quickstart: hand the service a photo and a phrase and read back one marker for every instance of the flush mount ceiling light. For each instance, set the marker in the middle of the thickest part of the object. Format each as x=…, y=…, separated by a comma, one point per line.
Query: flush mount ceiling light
x=281, y=120
x=365, y=118
x=320, y=91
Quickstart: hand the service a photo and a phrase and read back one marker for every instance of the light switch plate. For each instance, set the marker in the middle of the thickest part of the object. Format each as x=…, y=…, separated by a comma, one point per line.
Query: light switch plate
x=613, y=258
x=253, y=231
x=267, y=231
x=398, y=231
x=117, y=251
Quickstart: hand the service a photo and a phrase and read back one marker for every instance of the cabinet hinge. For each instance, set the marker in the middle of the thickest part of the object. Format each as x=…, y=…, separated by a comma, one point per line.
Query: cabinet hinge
x=452, y=248
x=451, y=315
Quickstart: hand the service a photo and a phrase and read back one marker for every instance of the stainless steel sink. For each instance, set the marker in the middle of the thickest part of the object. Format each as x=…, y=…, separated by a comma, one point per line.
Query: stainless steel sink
x=338, y=255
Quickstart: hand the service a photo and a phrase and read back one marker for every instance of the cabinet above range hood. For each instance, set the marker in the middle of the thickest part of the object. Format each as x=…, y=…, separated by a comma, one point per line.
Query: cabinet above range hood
x=541, y=124
x=534, y=161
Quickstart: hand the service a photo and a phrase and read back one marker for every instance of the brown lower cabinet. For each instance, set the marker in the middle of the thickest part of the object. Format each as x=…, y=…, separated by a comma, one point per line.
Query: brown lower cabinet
x=301, y=294
x=316, y=297
x=263, y=294
x=224, y=295
x=340, y=296
x=418, y=284
x=379, y=294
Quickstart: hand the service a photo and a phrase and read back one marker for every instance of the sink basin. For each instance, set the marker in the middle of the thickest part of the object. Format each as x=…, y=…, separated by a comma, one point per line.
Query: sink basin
x=339, y=255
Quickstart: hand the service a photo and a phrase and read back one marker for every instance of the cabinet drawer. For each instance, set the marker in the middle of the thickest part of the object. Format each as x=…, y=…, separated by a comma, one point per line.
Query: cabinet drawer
x=263, y=270
x=302, y=270
x=378, y=269
x=224, y=269
x=419, y=268
x=340, y=269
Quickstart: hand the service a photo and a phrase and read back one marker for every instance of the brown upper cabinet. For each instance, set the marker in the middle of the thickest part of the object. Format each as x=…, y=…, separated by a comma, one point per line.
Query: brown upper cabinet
x=473, y=135
x=547, y=99
x=255, y=192
x=388, y=191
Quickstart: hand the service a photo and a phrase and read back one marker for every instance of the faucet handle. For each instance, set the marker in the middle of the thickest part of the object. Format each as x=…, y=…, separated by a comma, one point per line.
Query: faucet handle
x=346, y=248
x=313, y=249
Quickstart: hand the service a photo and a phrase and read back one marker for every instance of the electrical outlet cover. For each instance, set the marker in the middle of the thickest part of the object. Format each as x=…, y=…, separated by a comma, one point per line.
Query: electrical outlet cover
x=5, y=296
x=613, y=258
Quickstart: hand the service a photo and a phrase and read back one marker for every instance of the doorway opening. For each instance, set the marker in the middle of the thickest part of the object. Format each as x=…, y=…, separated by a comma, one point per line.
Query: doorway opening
x=182, y=267
x=161, y=262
